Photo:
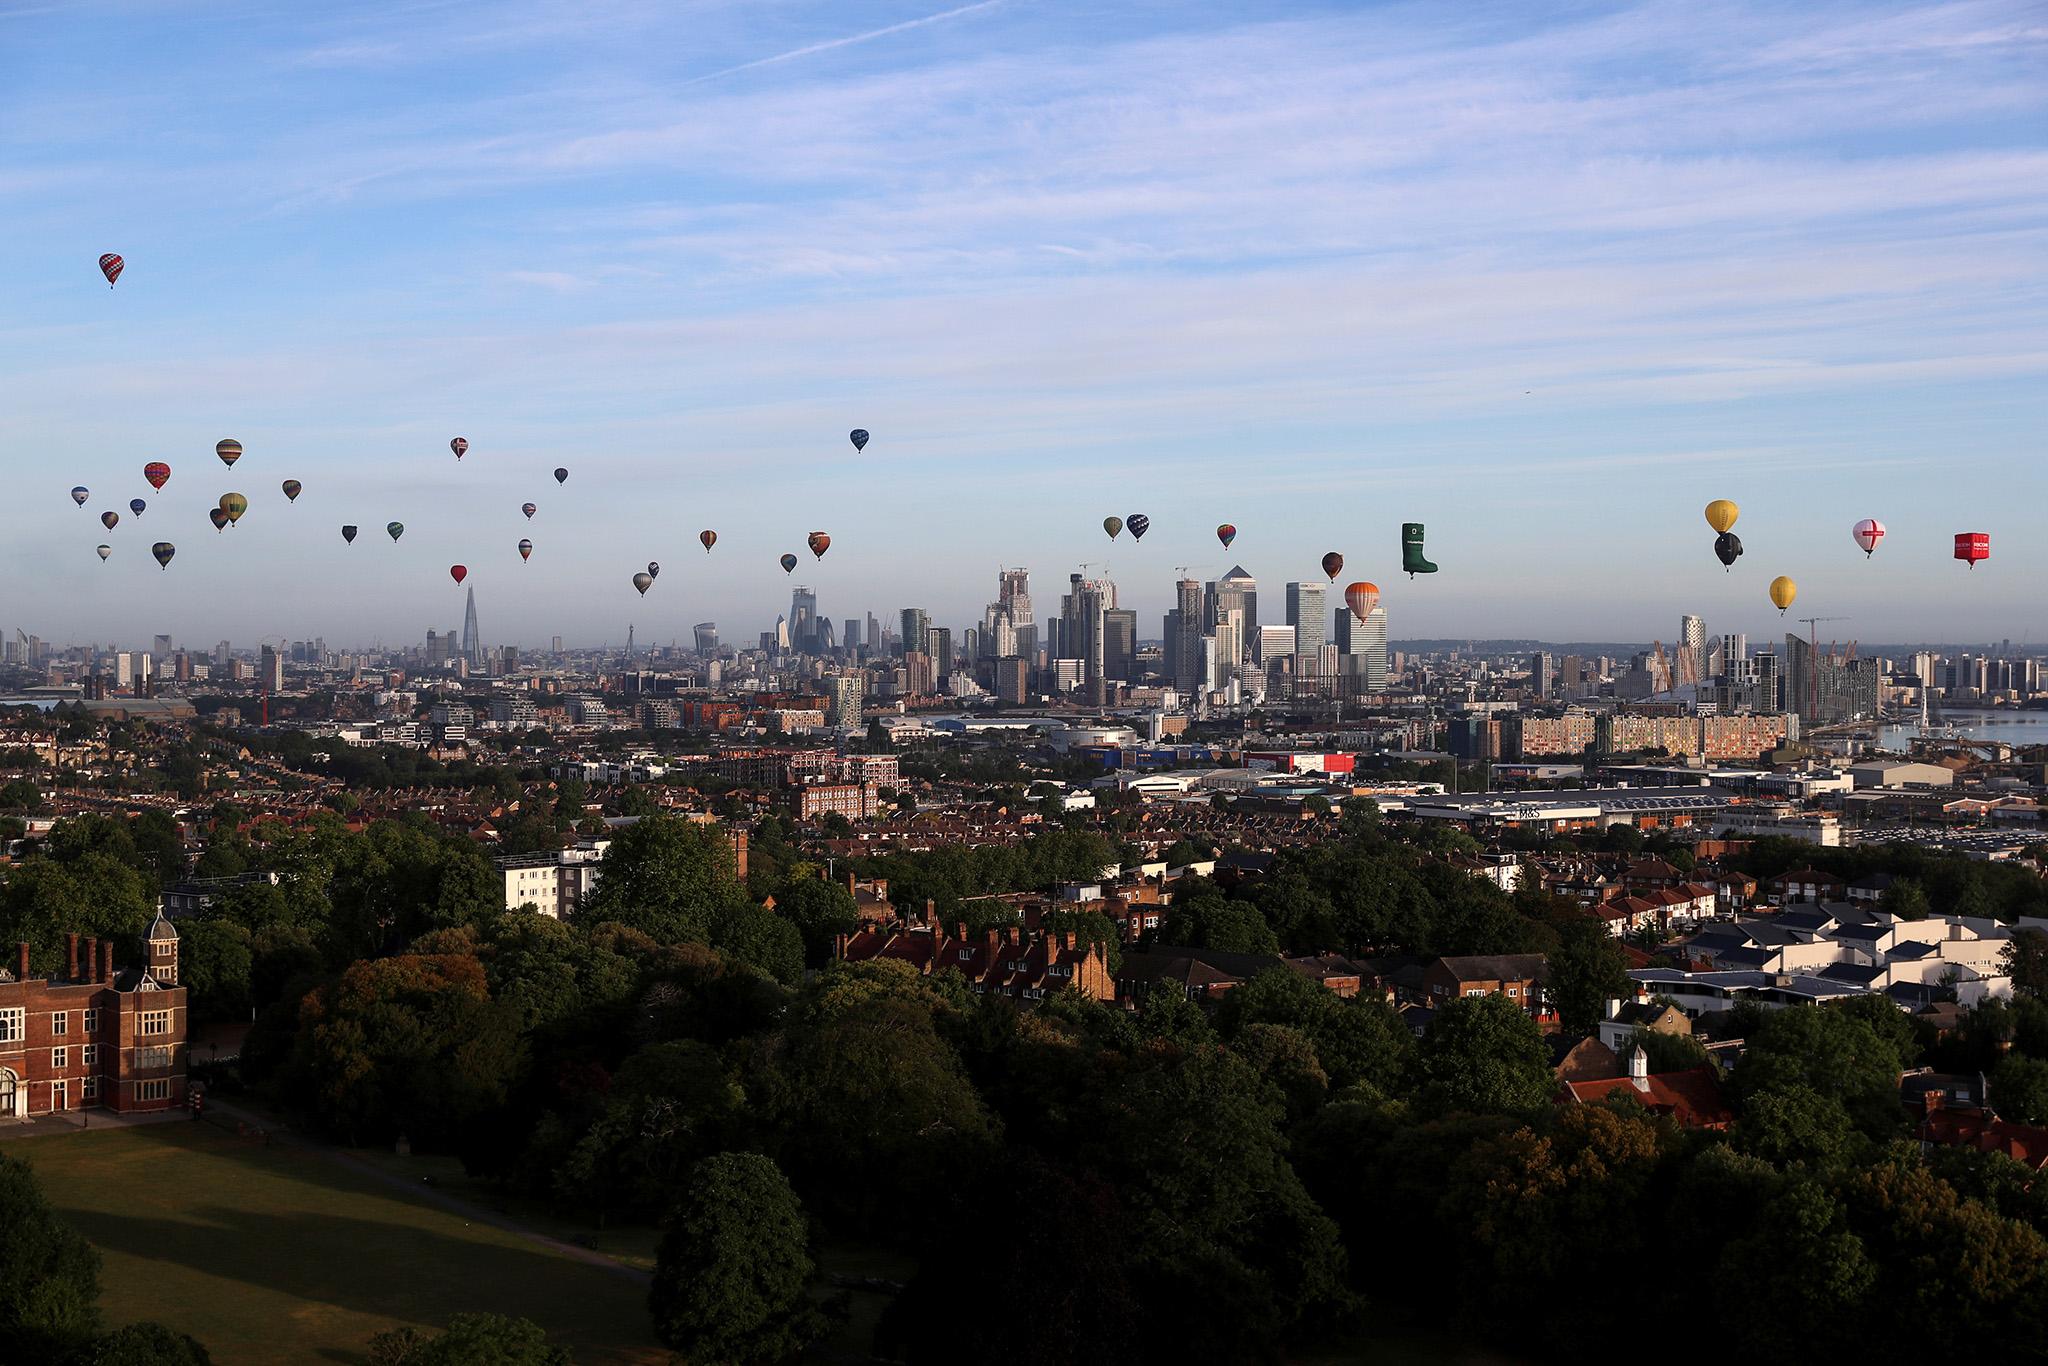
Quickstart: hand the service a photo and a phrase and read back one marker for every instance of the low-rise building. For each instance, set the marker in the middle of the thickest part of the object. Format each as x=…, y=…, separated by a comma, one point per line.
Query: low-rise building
x=99, y=1036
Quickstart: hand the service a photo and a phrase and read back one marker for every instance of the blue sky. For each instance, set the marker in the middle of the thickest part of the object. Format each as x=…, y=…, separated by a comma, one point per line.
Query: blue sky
x=1546, y=278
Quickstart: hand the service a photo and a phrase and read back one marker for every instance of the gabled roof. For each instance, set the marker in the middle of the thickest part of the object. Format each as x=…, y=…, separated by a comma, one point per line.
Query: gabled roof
x=1692, y=1097
x=1497, y=967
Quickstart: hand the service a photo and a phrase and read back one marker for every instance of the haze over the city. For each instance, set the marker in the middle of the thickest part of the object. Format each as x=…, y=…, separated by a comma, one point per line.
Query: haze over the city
x=1544, y=283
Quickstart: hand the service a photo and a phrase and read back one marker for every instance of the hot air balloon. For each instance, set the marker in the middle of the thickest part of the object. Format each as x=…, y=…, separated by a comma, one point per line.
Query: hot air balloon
x=111, y=267
x=708, y=538
x=1333, y=565
x=561, y=475
x=348, y=534
x=394, y=529
x=1721, y=514
x=292, y=489
x=529, y=509
x=1783, y=591
x=1728, y=548
x=458, y=572
x=80, y=494
x=643, y=581
x=234, y=505
x=859, y=437
x=219, y=518
x=819, y=543
x=1113, y=525
x=1361, y=598
x=526, y=550
x=110, y=519
x=163, y=550
x=136, y=505
x=229, y=451
x=1412, y=558
x=1226, y=534
x=157, y=473
x=654, y=569
x=105, y=551
x=1972, y=546
x=1138, y=524
x=460, y=445
x=1868, y=533
x=789, y=564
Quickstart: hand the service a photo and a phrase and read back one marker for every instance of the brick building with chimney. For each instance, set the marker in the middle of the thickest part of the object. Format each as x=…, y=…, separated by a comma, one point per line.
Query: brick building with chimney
x=101, y=1036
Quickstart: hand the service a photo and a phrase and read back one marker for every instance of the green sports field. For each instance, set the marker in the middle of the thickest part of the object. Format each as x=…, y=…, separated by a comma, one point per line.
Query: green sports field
x=271, y=1254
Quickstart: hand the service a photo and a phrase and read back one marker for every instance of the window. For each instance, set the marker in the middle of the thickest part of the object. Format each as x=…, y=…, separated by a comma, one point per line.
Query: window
x=90, y=1055
x=92, y=1020
x=152, y=1090
x=158, y=1056
x=90, y=1090
x=1475, y=991
x=60, y=1058
x=153, y=1022
x=60, y=1022
x=13, y=1025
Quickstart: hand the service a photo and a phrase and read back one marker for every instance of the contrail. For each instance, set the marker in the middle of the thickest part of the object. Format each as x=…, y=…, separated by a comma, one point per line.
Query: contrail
x=831, y=43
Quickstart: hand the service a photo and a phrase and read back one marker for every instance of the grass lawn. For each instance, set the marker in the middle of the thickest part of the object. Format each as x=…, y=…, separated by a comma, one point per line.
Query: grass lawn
x=280, y=1255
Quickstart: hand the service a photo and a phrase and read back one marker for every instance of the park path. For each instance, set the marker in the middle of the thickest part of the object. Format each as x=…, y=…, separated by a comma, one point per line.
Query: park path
x=420, y=1190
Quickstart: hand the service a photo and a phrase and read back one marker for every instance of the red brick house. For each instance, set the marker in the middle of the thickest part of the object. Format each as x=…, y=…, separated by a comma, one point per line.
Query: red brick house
x=1006, y=963
x=1517, y=976
x=98, y=1037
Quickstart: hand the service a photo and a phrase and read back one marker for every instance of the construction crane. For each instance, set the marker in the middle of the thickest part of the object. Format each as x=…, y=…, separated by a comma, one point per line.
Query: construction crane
x=1813, y=663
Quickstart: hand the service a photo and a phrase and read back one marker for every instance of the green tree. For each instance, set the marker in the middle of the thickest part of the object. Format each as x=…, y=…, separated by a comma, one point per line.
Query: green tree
x=1587, y=970
x=1843, y=1055
x=669, y=878
x=1210, y=921
x=1905, y=899
x=2019, y=1088
x=49, y=1273
x=159, y=844
x=412, y=1045
x=216, y=959
x=94, y=894
x=146, y=1344
x=21, y=795
x=2026, y=959
x=471, y=1340
x=820, y=910
x=1483, y=1054
x=731, y=1273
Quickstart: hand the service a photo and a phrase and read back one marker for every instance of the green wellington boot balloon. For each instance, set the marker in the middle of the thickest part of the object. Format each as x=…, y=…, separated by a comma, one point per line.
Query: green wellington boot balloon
x=1411, y=550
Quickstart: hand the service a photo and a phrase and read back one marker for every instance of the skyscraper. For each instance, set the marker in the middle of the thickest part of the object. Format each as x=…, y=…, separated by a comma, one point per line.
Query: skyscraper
x=845, y=696
x=1362, y=651
x=1120, y=645
x=1308, y=613
x=938, y=643
x=706, y=633
x=803, y=620
x=472, y=643
x=1692, y=649
x=850, y=636
x=1184, y=636
x=1236, y=591
x=914, y=624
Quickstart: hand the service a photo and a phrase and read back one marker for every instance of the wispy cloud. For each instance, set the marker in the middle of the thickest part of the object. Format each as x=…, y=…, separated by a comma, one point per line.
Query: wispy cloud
x=852, y=40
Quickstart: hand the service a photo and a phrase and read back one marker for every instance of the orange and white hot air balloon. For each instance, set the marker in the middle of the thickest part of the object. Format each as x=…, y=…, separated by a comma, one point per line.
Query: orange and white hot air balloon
x=1361, y=598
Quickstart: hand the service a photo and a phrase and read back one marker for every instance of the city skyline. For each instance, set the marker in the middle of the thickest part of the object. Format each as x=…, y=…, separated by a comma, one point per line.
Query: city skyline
x=1745, y=266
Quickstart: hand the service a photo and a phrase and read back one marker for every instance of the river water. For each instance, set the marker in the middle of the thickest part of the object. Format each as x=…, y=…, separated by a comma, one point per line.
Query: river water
x=2015, y=728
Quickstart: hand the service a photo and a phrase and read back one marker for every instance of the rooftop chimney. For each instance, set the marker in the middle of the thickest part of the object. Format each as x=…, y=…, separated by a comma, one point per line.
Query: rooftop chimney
x=92, y=959
x=106, y=960
x=21, y=964
x=1613, y=1007
x=71, y=955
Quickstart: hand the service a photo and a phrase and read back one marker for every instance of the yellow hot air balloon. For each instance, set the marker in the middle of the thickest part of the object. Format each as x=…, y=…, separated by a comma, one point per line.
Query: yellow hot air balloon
x=1783, y=590
x=234, y=505
x=1721, y=515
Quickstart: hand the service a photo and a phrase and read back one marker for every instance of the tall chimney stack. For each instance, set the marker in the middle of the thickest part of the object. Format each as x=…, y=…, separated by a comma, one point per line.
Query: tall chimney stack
x=21, y=964
x=107, y=960
x=92, y=958
x=71, y=954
